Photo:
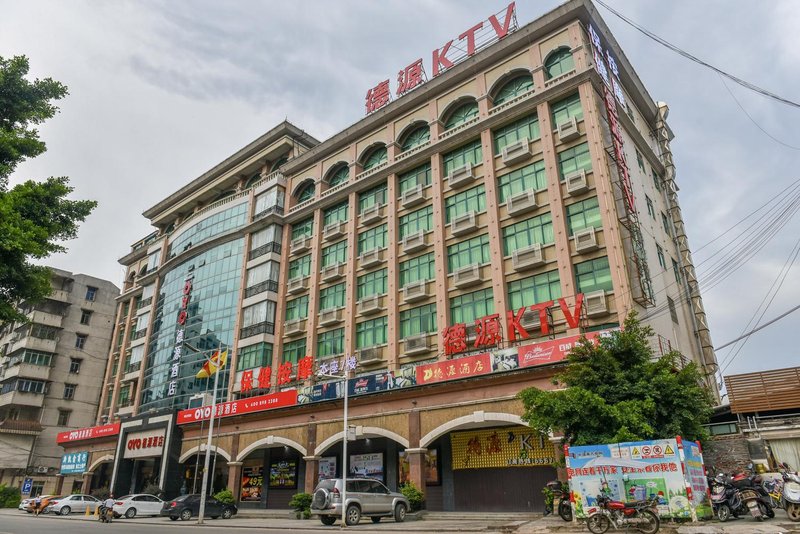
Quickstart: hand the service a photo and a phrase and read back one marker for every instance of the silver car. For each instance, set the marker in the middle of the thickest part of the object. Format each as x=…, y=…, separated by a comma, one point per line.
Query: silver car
x=140, y=504
x=73, y=503
x=365, y=497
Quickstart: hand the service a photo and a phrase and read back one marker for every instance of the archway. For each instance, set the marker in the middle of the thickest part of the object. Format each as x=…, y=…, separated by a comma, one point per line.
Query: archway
x=192, y=463
x=272, y=471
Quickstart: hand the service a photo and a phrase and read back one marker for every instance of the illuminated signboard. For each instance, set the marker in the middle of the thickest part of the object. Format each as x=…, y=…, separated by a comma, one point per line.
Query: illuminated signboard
x=183, y=314
x=92, y=432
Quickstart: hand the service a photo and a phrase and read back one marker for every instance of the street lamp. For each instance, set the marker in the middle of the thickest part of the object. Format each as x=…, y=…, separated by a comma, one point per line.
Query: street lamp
x=207, y=461
x=343, y=378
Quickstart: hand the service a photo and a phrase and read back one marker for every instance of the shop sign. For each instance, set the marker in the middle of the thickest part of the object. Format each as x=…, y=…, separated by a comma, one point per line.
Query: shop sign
x=283, y=474
x=464, y=367
x=501, y=447
x=366, y=465
x=555, y=350
x=252, y=484
x=281, y=399
x=431, y=468
x=144, y=444
x=183, y=314
x=92, y=432
x=489, y=330
x=470, y=41
x=74, y=462
x=327, y=467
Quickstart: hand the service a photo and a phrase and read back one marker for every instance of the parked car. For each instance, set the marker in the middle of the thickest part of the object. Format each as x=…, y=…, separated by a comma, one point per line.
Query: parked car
x=72, y=503
x=365, y=497
x=139, y=504
x=187, y=506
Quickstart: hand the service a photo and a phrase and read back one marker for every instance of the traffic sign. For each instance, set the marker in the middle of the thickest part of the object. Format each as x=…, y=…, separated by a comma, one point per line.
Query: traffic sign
x=27, y=486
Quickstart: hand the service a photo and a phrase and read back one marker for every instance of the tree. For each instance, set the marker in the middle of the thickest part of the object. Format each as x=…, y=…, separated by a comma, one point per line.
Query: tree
x=617, y=391
x=34, y=216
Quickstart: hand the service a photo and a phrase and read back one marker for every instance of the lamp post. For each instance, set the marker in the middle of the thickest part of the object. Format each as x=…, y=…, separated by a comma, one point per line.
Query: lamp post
x=207, y=461
x=343, y=378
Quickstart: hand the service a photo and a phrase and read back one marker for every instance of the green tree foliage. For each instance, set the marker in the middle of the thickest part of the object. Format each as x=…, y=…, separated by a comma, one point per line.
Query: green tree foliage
x=618, y=391
x=35, y=217
x=9, y=496
x=225, y=496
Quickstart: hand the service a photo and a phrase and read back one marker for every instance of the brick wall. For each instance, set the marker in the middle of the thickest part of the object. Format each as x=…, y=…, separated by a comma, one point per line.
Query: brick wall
x=726, y=453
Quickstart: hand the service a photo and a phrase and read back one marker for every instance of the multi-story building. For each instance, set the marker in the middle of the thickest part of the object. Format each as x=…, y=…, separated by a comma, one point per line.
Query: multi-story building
x=51, y=375
x=446, y=249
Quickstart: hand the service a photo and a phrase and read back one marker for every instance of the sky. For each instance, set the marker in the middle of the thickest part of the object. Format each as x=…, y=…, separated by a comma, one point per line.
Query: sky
x=161, y=91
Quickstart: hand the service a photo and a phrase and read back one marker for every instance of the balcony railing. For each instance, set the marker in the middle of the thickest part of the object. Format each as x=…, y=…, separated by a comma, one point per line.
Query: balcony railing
x=140, y=334
x=268, y=211
x=273, y=246
x=144, y=302
x=256, y=329
x=133, y=367
x=266, y=285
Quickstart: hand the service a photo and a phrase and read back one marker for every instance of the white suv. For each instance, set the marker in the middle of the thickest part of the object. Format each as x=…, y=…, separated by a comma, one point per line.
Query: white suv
x=365, y=496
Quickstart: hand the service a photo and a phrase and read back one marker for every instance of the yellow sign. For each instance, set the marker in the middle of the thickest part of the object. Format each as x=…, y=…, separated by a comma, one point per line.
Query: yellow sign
x=501, y=447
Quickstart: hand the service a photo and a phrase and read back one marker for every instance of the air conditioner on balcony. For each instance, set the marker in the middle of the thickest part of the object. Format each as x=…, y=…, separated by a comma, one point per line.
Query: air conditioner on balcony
x=521, y=202
x=369, y=355
x=464, y=224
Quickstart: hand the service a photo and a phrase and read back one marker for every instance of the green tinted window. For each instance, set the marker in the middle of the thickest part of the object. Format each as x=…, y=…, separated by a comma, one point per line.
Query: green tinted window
x=336, y=253
x=297, y=308
x=558, y=63
x=339, y=176
x=300, y=268
x=469, y=153
x=330, y=343
x=528, y=178
x=335, y=214
x=372, y=239
x=306, y=192
x=460, y=115
x=416, y=137
x=370, y=284
x=416, y=221
x=332, y=297
x=303, y=228
x=566, y=108
x=294, y=350
x=526, y=127
x=470, y=200
x=593, y=275
x=536, y=230
x=377, y=157
x=413, y=178
x=371, y=333
x=371, y=197
x=470, y=252
x=583, y=214
x=416, y=269
x=515, y=87
x=533, y=290
x=470, y=306
x=254, y=356
x=421, y=320
x=575, y=159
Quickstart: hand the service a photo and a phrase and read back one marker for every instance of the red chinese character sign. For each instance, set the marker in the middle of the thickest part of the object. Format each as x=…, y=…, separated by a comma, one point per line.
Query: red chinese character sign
x=378, y=96
x=410, y=77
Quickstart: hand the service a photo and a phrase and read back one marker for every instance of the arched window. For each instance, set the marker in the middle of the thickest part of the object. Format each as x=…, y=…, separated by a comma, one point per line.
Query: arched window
x=558, y=62
x=229, y=192
x=306, y=192
x=253, y=179
x=376, y=157
x=416, y=137
x=513, y=88
x=280, y=161
x=461, y=114
x=339, y=176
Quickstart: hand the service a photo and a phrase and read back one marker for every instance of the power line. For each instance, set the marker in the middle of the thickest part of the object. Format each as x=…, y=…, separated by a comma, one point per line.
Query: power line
x=689, y=56
x=763, y=326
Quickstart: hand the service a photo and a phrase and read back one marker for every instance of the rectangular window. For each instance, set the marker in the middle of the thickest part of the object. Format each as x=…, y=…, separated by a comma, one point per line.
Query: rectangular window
x=416, y=269
x=413, y=178
x=574, y=159
x=43, y=331
x=69, y=391
x=524, y=128
x=336, y=253
x=665, y=224
x=330, y=343
x=373, y=283
x=593, y=275
x=137, y=353
x=86, y=316
x=303, y=228
x=26, y=386
x=75, y=365
x=297, y=308
x=640, y=161
x=141, y=323
x=91, y=293
x=470, y=200
x=34, y=357
x=269, y=200
x=153, y=260
x=528, y=178
x=533, y=290
x=263, y=312
x=650, y=209
x=661, y=261
x=63, y=417
x=294, y=350
x=265, y=272
x=656, y=180
x=80, y=340
x=469, y=153
x=372, y=197
x=470, y=306
x=536, y=230
x=673, y=312
x=372, y=239
x=471, y=252
x=584, y=214
x=332, y=297
x=676, y=271
x=335, y=214
x=421, y=320
x=254, y=356
x=124, y=396
x=371, y=333
x=271, y=234
x=416, y=221
x=300, y=268
x=565, y=109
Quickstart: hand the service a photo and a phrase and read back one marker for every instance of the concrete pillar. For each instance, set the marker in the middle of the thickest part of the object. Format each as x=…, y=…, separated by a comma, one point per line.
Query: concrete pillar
x=87, y=483
x=59, y=484
x=235, y=479
x=312, y=473
x=416, y=467
x=561, y=470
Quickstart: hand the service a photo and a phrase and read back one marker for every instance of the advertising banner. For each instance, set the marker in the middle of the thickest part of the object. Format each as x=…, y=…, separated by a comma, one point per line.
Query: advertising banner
x=696, y=478
x=366, y=465
x=283, y=474
x=628, y=472
x=501, y=447
x=239, y=407
x=551, y=351
x=327, y=467
x=74, y=462
x=252, y=483
x=468, y=366
x=92, y=432
x=431, y=468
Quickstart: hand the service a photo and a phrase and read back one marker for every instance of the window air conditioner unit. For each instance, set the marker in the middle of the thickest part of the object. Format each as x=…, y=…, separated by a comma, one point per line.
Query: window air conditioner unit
x=521, y=203
x=334, y=230
x=413, y=197
x=415, y=291
x=371, y=214
x=414, y=242
x=461, y=176
x=585, y=240
x=576, y=183
x=516, y=152
x=417, y=344
x=369, y=305
x=527, y=258
x=467, y=276
x=370, y=258
x=567, y=131
x=595, y=302
x=464, y=224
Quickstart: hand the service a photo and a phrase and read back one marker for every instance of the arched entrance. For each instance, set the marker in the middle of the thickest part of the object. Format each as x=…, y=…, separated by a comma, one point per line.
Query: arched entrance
x=101, y=471
x=273, y=470
x=192, y=463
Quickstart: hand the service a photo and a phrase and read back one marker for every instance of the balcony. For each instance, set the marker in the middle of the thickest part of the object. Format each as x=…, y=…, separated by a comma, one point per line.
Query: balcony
x=27, y=370
x=414, y=242
x=370, y=258
x=294, y=327
x=369, y=305
x=371, y=214
x=333, y=272
x=272, y=247
x=142, y=303
x=266, y=285
x=34, y=343
x=417, y=344
x=60, y=295
x=278, y=210
x=257, y=329
x=45, y=318
x=370, y=356
x=415, y=291
x=297, y=285
x=516, y=152
x=334, y=230
x=527, y=258
x=22, y=398
x=521, y=203
x=461, y=176
x=301, y=244
x=467, y=276
x=464, y=224
x=413, y=197
x=331, y=316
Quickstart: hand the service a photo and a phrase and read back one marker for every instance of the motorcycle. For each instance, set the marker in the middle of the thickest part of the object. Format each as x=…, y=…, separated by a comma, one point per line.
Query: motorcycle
x=784, y=492
x=640, y=515
x=753, y=494
x=560, y=491
x=726, y=501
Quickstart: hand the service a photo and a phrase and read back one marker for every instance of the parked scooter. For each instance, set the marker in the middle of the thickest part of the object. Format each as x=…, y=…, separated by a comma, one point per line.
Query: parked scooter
x=753, y=494
x=785, y=491
x=726, y=500
x=560, y=491
x=639, y=515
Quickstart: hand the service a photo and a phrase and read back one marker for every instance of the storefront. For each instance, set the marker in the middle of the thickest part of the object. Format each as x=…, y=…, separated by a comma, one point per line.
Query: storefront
x=87, y=463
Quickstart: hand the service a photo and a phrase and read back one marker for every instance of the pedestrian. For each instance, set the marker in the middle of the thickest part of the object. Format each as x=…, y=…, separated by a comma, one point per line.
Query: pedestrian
x=108, y=504
x=37, y=505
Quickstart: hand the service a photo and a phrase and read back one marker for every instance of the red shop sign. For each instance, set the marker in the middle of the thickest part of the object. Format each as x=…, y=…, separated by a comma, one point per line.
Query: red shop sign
x=551, y=351
x=479, y=364
x=92, y=432
x=261, y=403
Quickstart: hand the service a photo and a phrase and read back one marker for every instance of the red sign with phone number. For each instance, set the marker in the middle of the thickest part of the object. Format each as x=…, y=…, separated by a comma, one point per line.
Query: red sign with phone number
x=92, y=432
x=281, y=399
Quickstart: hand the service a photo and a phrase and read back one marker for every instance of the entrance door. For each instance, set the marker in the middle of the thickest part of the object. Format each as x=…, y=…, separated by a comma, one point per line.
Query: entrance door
x=509, y=489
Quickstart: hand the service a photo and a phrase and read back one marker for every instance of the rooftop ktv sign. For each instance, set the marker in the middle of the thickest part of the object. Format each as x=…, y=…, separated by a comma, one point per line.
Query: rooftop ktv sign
x=468, y=43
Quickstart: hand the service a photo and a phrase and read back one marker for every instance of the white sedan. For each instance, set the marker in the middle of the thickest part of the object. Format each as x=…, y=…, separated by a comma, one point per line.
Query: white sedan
x=138, y=504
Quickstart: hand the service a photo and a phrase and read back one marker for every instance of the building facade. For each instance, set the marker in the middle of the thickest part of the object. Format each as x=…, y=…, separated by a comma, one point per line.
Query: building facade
x=51, y=376
x=446, y=250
